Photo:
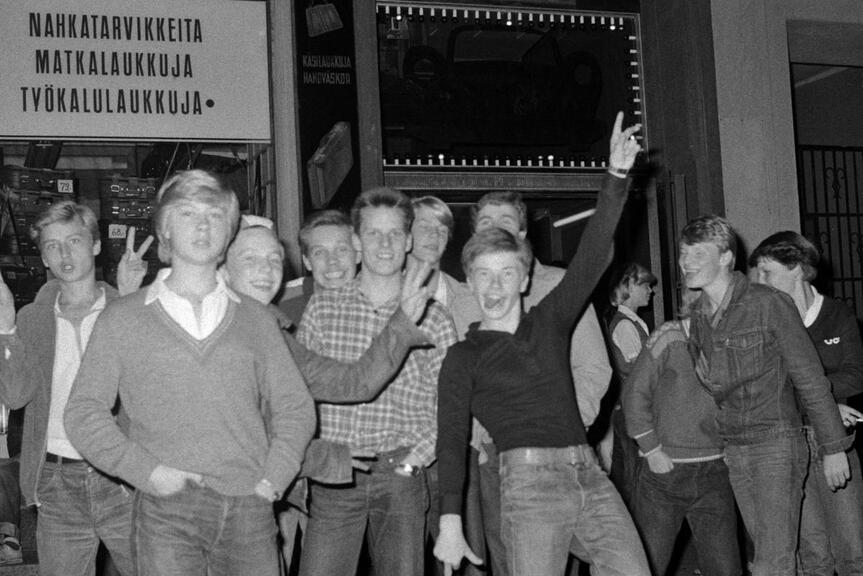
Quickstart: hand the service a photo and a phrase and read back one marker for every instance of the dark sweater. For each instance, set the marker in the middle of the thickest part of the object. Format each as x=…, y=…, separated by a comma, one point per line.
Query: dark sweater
x=837, y=339
x=664, y=403
x=519, y=386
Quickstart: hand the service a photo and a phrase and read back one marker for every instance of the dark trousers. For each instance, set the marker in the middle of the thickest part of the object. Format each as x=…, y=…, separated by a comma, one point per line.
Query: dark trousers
x=700, y=493
x=471, y=515
x=387, y=508
x=10, y=494
x=624, y=459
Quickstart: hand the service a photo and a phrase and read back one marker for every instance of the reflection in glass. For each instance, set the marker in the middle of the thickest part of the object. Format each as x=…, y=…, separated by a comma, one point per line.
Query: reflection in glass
x=490, y=88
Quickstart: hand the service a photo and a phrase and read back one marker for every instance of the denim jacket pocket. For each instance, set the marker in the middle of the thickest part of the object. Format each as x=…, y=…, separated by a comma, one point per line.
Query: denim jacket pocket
x=745, y=354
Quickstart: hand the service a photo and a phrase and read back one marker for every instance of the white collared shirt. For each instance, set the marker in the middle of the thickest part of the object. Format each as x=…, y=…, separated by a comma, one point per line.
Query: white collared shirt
x=814, y=310
x=213, y=306
x=69, y=345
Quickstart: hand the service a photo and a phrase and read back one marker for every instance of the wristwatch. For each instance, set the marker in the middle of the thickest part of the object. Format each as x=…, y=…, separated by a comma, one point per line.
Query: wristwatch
x=408, y=470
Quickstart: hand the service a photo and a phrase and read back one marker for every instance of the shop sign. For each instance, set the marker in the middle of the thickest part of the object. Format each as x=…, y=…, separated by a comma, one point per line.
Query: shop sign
x=131, y=70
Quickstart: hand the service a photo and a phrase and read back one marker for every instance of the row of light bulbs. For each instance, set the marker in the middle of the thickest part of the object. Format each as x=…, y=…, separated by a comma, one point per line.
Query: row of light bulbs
x=442, y=160
x=505, y=17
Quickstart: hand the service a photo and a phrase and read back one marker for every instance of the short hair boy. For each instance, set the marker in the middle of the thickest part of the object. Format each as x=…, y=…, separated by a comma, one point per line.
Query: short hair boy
x=398, y=426
x=512, y=373
x=219, y=416
x=328, y=252
x=588, y=358
x=43, y=346
x=755, y=358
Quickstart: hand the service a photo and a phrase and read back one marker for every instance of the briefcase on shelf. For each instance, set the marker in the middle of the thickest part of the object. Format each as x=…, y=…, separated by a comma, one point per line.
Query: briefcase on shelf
x=322, y=18
x=329, y=165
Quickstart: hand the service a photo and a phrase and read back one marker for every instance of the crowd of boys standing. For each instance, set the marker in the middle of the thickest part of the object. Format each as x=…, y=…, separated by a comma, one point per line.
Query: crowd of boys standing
x=164, y=423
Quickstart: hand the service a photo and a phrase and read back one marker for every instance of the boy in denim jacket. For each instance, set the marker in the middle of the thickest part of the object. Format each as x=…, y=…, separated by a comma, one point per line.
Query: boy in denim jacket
x=754, y=356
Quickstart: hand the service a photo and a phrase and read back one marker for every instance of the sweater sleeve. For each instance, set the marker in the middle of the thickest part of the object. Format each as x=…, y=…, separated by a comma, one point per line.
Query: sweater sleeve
x=563, y=305
x=291, y=411
x=89, y=423
x=454, y=424
x=342, y=382
x=637, y=400
x=846, y=378
x=328, y=462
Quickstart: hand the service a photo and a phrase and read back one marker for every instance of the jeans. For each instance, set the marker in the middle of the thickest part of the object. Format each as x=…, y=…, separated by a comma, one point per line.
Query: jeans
x=292, y=521
x=200, y=532
x=79, y=506
x=489, y=491
x=557, y=500
x=471, y=517
x=10, y=494
x=700, y=493
x=391, y=506
x=624, y=458
x=831, y=526
x=767, y=479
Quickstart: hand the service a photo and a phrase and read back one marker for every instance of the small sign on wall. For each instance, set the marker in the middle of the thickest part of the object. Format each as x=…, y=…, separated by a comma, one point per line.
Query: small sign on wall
x=130, y=70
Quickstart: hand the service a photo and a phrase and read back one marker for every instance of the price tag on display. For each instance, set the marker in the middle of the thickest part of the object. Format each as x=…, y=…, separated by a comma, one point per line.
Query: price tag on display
x=64, y=186
x=117, y=231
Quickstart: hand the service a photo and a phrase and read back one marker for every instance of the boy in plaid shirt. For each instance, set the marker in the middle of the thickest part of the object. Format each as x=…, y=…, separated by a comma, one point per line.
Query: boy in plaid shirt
x=399, y=425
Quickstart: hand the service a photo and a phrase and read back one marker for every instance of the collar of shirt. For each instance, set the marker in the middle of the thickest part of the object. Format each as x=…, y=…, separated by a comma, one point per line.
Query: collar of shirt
x=213, y=306
x=814, y=310
x=726, y=300
x=352, y=290
x=97, y=306
x=158, y=288
x=632, y=315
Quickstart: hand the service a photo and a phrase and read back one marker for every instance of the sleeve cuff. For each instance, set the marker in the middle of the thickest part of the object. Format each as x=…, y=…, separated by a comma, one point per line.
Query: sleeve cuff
x=840, y=445
x=648, y=442
x=450, y=504
x=328, y=462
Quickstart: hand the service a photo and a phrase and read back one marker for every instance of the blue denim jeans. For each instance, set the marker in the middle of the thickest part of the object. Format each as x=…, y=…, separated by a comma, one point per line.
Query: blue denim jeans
x=387, y=507
x=489, y=491
x=10, y=493
x=200, y=532
x=767, y=479
x=700, y=493
x=79, y=506
x=471, y=517
x=557, y=500
x=625, y=461
x=831, y=526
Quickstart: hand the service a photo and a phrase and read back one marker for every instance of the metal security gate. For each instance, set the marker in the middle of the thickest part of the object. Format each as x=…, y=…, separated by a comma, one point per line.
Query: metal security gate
x=830, y=183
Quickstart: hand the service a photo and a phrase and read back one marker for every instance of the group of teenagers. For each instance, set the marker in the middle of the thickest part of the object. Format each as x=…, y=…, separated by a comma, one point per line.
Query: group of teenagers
x=396, y=404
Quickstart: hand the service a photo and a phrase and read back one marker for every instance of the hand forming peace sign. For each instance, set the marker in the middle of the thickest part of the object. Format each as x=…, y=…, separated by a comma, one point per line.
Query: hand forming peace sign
x=132, y=267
